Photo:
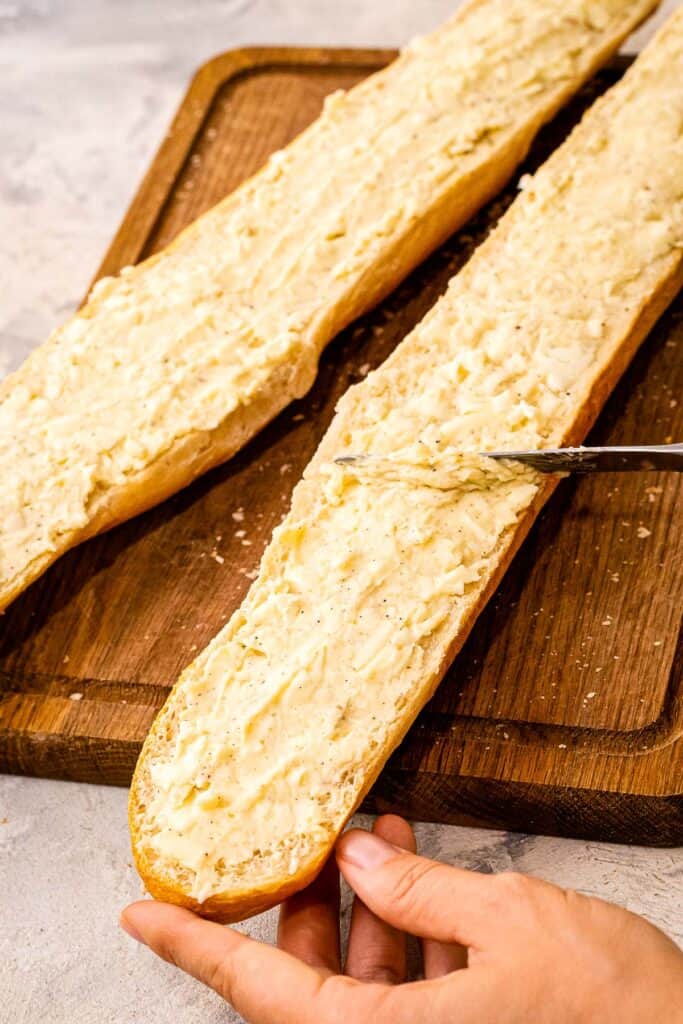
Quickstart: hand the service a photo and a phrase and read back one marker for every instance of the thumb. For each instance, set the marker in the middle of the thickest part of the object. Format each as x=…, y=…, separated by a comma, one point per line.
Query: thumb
x=417, y=895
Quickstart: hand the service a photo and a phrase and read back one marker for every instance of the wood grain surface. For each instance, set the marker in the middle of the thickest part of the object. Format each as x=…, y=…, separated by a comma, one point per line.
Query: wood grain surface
x=564, y=712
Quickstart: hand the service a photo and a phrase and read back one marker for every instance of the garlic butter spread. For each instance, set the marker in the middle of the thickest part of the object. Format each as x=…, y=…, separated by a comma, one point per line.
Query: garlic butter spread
x=278, y=725
x=241, y=304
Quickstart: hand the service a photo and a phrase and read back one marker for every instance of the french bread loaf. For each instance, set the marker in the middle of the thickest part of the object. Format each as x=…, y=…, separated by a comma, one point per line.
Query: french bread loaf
x=172, y=366
x=271, y=738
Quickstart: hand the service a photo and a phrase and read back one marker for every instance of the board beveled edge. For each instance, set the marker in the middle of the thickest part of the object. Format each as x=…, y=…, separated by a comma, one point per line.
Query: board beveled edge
x=545, y=806
x=663, y=731
x=149, y=199
x=629, y=818
x=620, y=817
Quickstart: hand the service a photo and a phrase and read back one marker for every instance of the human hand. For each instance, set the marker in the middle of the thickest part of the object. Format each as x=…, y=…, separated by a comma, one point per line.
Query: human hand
x=497, y=949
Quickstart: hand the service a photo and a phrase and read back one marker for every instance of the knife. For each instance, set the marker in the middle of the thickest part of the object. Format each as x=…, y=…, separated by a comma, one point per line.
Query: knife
x=626, y=459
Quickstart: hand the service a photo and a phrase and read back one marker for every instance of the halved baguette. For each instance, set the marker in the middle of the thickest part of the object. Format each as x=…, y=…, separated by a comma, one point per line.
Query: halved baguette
x=171, y=367
x=274, y=734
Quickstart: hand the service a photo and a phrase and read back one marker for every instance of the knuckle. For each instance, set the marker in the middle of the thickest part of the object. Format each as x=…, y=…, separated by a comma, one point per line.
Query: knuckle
x=576, y=902
x=344, y=1000
x=513, y=885
x=376, y=968
x=387, y=974
x=413, y=883
x=168, y=951
x=176, y=943
x=335, y=998
x=217, y=977
x=587, y=911
x=513, y=896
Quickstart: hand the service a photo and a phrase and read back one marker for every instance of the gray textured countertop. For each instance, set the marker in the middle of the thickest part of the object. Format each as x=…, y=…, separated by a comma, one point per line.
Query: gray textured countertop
x=86, y=92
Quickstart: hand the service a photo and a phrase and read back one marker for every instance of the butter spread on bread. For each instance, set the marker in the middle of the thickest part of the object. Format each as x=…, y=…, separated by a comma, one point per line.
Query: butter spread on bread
x=370, y=585
x=173, y=365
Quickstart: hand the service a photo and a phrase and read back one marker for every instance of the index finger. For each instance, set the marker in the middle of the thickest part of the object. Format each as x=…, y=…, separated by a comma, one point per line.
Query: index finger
x=265, y=985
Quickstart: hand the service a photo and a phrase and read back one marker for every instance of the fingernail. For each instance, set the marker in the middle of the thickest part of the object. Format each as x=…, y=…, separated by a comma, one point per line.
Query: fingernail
x=130, y=930
x=365, y=850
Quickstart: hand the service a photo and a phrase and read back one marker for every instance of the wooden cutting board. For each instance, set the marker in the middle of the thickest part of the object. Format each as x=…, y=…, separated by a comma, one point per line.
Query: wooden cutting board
x=564, y=712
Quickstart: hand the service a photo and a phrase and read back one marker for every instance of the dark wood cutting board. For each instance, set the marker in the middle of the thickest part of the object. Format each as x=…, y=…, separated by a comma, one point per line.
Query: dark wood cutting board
x=564, y=712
